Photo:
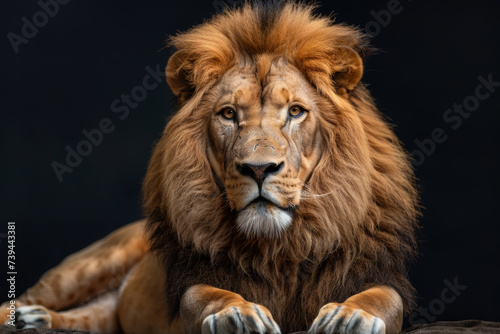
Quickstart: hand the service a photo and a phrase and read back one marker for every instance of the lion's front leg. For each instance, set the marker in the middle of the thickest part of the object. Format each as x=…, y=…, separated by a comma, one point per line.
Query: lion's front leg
x=377, y=310
x=208, y=310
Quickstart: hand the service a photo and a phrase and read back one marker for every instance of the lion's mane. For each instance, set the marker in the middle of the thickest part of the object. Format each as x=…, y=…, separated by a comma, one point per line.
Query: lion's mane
x=355, y=229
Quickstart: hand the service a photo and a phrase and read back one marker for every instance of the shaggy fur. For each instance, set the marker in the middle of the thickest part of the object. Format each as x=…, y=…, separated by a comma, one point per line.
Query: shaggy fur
x=354, y=230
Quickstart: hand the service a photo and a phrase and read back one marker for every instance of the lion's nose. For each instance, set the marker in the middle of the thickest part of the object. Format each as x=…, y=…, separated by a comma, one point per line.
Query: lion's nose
x=259, y=172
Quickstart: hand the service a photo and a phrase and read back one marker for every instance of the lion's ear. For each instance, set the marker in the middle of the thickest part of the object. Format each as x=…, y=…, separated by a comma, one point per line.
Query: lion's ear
x=346, y=69
x=340, y=67
x=177, y=72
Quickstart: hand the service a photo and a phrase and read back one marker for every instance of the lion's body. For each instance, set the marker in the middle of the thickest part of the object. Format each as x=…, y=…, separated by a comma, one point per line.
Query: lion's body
x=278, y=195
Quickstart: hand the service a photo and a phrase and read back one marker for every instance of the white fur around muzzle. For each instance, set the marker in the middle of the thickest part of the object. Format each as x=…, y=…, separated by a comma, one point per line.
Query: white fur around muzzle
x=263, y=220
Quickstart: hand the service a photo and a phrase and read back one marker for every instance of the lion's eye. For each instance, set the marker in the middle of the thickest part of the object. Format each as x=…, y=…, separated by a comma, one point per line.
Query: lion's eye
x=296, y=111
x=228, y=113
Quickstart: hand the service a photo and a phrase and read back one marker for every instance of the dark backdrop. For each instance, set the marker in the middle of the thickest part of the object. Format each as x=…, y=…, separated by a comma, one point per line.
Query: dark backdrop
x=64, y=78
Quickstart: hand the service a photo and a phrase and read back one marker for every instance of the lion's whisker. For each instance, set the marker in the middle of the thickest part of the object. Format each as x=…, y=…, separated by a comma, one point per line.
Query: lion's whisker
x=308, y=194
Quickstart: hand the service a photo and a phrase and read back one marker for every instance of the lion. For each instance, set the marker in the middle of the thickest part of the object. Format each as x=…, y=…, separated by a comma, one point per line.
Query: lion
x=278, y=198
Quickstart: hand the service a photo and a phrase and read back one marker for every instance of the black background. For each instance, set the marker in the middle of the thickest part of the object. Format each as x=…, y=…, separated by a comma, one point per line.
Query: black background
x=66, y=77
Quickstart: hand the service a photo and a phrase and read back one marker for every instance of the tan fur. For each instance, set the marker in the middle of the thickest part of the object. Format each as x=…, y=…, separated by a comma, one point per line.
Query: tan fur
x=142, y=307
x=81, y=293
x=324, y=248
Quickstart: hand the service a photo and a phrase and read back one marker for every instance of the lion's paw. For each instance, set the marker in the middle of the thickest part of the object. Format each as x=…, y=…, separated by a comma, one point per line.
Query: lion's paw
x=33, y=317
x=339, y=318
x=249, y=318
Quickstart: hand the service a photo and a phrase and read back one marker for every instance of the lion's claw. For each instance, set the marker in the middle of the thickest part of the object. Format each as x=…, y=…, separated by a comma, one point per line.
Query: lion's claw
x=338, y=318
x=32, y=317
x=246, y=319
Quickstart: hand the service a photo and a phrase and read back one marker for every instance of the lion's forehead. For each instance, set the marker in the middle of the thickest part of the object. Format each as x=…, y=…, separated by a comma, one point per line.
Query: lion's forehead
x=245, y=87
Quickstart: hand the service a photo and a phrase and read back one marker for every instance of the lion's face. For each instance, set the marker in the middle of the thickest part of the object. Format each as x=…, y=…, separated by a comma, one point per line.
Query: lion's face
x=264, y=143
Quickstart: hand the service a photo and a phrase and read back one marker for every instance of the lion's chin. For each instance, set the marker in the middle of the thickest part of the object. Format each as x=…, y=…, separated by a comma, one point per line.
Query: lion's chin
x=263, y=220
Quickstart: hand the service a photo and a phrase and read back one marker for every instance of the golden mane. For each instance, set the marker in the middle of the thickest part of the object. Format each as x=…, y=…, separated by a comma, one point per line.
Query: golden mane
x=360, y=204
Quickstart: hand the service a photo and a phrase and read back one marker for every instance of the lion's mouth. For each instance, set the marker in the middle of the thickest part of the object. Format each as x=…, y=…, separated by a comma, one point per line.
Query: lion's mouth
x=261, y=203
